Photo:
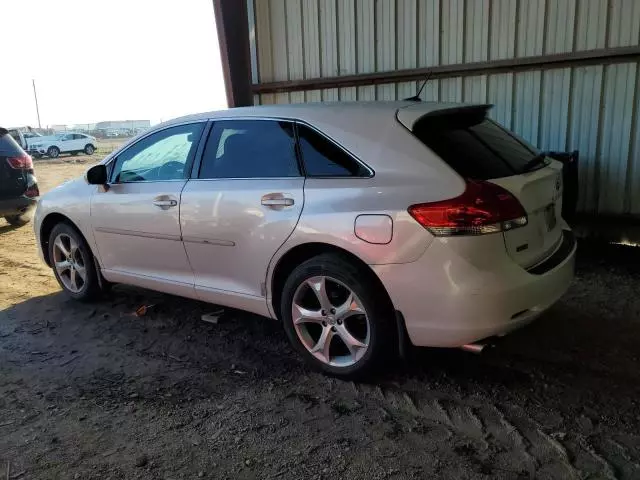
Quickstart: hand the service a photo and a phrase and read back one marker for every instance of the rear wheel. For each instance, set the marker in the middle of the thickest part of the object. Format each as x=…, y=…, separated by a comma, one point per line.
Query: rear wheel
x=19, y=220
x=73, y=264
x=89, y=149
x=53, y=152
x=336, y=317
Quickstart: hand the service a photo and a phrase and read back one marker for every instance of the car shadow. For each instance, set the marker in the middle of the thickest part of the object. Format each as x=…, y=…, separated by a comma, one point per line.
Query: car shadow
x=114, y=335
x=589, y=340
x=8, y=228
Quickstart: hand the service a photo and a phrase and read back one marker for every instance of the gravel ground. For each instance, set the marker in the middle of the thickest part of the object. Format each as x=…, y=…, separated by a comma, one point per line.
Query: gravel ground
x=96, y=392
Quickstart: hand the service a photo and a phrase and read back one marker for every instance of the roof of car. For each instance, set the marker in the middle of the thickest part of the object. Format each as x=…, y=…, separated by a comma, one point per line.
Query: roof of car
x=371, y=131
x=320, y=111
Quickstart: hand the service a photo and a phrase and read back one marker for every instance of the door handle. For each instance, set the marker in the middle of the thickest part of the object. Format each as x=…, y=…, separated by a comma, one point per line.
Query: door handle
x=165, y=203
x=276, y=200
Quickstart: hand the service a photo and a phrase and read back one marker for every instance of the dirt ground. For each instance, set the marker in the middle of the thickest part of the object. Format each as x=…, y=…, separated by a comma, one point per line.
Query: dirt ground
x=94, y=392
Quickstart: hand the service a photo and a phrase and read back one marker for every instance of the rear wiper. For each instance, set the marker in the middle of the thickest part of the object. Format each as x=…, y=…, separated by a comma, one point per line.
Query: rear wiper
x=535, y=161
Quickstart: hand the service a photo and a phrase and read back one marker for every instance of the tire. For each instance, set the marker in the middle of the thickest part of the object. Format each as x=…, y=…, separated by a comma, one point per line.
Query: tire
x=369, y=319
x=53, y=152
x=89, y=149
x=78, y=258
x=19, y=220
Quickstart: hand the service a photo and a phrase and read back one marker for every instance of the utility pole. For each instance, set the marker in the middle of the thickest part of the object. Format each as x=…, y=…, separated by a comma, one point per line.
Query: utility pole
x=35, y=95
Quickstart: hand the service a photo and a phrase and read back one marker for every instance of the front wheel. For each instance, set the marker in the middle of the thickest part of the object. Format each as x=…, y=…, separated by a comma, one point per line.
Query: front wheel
x=72, y=263
x=89, y=149
x=53, y=152
x=336, y=317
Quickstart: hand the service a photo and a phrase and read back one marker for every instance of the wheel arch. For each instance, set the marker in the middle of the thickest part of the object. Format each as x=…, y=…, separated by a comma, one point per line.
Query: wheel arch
x=46, y=227
x=303, y=252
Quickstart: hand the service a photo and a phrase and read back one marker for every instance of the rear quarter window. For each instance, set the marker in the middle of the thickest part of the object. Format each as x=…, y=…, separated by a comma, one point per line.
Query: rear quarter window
x=9, y=147
x=479, y=150
x=323, y=158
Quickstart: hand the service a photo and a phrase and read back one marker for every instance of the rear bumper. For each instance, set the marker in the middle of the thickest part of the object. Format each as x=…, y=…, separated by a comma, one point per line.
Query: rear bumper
x=17, y=206
x=463, y=290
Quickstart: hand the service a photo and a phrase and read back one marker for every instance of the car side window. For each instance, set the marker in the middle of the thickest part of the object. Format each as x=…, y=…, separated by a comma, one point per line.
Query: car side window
x=250, y=149
x=67, y=137
x=160, y=156
x=323, y=158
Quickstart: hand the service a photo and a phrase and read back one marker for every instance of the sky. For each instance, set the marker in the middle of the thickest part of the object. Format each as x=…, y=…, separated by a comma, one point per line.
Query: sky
x=97, y=60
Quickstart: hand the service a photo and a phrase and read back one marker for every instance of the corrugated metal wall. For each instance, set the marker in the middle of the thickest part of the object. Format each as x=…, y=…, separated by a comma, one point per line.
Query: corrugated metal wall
x=592, y=109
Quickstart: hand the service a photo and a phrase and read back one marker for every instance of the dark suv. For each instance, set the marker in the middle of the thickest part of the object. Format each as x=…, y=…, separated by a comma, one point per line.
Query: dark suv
x=18, y=184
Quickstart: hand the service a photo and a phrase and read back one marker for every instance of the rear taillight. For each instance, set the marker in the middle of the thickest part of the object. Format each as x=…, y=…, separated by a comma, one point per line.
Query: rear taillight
x=483, y=208
x=21, y=162
x=32, y=191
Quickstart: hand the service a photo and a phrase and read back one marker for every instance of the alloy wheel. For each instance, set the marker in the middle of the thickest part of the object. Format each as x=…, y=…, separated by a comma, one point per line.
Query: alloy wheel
x=330, y=321
x=69, y=263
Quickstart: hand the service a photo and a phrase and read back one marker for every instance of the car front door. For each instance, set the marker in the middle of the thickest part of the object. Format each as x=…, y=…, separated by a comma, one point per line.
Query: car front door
x=243, y=201
x=66, y=143
x=79, y=141
x=136, y=219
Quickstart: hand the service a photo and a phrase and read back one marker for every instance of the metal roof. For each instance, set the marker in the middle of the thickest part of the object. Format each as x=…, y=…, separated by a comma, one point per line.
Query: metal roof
x=593, y=107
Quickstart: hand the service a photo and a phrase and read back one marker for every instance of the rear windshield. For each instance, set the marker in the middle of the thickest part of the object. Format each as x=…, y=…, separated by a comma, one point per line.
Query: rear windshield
x=8, y=146
x=475, y=148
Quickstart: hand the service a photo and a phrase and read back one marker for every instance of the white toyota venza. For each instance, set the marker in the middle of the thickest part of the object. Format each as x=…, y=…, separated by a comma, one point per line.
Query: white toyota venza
x=360, y=226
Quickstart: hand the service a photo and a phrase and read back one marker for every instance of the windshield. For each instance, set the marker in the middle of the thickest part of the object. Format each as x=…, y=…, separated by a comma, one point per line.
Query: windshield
x=475, y=149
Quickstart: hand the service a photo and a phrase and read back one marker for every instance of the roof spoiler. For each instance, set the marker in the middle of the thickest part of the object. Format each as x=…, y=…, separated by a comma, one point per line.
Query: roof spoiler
x=434, y=114
x=462, y=109
x=456, y=117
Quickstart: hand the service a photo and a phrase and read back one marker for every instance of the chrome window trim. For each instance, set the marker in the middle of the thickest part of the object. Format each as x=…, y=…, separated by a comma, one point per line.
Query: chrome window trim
x=113, y=155
x=222, y=179
x=108, y=161
x=371, y=171
x=197, y=162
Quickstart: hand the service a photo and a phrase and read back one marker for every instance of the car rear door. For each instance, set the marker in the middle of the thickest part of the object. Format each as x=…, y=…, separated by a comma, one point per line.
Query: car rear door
x=242, y=203
x=135, y=220
x=540, y=193
x=479, y=149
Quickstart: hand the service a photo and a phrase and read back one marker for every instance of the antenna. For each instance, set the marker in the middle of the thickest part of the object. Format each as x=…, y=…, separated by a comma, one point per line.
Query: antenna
x=416, y=97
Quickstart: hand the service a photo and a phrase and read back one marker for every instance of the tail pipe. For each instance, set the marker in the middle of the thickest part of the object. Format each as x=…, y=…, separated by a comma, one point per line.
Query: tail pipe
x=476, y=348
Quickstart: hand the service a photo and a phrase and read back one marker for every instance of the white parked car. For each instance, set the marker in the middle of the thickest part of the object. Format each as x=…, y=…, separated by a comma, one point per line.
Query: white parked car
x=359, y=225
x=53, y=146
x=24, y=138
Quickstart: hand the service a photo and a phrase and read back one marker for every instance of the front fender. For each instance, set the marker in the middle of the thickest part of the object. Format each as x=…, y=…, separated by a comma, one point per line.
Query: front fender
x=70, y=201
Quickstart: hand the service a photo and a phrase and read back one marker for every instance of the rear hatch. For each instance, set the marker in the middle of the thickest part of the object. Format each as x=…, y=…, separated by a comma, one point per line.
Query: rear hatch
x=16, y=168
x=479, y=149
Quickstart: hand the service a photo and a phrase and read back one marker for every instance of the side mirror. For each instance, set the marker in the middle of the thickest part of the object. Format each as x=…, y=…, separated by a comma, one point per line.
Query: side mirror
x=97, y=175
